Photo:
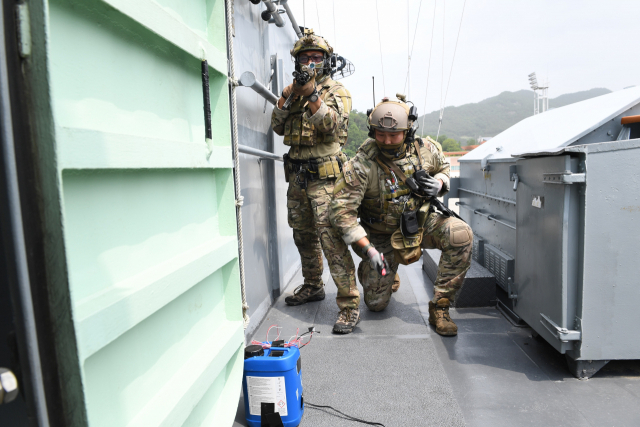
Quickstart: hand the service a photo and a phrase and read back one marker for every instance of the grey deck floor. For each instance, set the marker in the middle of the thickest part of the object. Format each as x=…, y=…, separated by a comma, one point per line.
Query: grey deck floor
x=394, y=369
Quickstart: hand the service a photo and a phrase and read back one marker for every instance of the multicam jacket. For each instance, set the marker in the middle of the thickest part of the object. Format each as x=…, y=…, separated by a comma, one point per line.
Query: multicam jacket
x=321, y=134
x=377, y=196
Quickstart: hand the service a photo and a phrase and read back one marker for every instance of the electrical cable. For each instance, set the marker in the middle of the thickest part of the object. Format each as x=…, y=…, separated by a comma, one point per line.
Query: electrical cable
x=451, y=70
x=433, y=26
x=412, y=46
x=380, y=44
x=347, y=417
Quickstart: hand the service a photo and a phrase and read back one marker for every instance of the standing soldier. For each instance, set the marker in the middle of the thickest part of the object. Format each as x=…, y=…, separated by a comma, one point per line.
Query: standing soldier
x=315, y=127
x=391, y=184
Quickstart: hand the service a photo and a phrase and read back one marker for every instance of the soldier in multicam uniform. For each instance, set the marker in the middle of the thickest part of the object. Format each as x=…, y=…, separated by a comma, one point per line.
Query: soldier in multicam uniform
x=397, y=220
x=315, y=127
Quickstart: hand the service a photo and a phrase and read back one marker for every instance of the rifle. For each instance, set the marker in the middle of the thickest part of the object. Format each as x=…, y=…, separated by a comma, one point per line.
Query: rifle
x=300, y=78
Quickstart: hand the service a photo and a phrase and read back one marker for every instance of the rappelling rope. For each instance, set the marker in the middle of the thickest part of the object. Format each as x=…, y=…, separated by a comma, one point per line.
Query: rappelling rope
x=412, y=46
x=318, y=14
x=429, y=66
x=384, y=88
x=451, y=70
x=236, y=160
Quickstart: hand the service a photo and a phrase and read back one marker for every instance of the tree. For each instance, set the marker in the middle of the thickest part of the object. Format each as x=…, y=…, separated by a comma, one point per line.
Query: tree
x=450, y=144
x=358, y=132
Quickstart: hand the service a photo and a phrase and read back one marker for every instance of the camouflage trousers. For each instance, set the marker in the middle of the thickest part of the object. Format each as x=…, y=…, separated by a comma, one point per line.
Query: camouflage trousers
x=308, y=214
x=452, y=236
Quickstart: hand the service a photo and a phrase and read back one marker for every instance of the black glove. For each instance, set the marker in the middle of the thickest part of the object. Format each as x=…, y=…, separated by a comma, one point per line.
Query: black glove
x=429, y=185
x=378, y=262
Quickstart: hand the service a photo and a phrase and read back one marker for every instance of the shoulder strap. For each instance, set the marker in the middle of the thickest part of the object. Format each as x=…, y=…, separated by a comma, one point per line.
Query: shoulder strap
x=418, y=153
x=387, y=164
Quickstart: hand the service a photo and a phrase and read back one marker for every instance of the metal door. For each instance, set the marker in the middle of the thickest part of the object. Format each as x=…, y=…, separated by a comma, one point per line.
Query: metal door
x=548, y=247
x=141, y=246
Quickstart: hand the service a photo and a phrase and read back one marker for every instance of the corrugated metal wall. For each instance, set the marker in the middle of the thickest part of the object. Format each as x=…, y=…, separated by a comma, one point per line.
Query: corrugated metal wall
x=147, y=208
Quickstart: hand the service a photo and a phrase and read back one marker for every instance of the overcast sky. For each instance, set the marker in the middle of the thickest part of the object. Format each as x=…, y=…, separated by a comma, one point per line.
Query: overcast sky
x=575, y=44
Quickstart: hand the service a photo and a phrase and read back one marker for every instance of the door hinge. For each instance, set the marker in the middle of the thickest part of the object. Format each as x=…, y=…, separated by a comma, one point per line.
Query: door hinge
x=565, y=177
x=23, y=24
x=562, y=334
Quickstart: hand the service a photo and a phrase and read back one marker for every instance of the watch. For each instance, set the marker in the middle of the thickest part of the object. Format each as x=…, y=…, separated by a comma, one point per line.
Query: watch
x=313, y=97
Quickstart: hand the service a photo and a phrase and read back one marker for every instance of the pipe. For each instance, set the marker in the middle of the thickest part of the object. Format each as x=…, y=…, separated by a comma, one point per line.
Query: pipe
x=16, y=227
x=274, y=13
x=488, y=196
x=259, y=153
x=248, y=79
x=488, y=216
x=236, y=161
x=292, y=19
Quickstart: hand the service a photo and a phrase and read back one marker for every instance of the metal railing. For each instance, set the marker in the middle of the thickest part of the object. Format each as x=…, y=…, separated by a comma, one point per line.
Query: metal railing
x=488, y=196
x=488, y=216
x=248, y=79
x=263, y=155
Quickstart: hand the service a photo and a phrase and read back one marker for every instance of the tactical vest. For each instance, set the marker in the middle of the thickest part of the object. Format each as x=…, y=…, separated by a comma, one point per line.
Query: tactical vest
x=298, y=131
x=382, y=214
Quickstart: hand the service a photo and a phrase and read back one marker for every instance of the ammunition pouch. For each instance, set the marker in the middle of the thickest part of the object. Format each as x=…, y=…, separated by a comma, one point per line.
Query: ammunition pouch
x=313, y=169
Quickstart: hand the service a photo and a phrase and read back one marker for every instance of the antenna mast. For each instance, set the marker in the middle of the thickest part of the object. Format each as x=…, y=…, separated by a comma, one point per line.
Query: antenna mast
x=540, y=97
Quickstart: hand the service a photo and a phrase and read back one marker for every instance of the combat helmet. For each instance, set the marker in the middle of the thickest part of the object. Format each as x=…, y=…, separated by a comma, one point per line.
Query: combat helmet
x=310, y=41
x=393, y=116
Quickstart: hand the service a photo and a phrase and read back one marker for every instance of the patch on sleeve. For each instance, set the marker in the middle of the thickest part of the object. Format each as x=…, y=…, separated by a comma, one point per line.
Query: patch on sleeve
x=340, y=184
x=349, y=173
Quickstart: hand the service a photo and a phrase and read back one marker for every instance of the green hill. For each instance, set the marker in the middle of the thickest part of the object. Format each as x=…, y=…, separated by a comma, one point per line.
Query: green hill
x=493, y=115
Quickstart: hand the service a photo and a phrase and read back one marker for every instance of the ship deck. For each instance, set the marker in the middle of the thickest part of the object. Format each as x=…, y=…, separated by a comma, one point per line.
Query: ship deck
x=394, y=369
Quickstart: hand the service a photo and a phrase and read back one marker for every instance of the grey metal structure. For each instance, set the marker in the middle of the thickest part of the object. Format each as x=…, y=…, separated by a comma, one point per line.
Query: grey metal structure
x=576, y=280
x=271, y=257
x=527, y=194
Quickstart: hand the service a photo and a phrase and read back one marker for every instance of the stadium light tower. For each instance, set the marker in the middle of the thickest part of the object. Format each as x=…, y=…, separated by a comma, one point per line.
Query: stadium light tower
x=540, y=98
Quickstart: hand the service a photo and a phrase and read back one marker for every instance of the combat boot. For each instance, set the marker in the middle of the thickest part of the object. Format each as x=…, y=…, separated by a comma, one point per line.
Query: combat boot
x=348, y=318
x=305, y=293
x=439, y=317
x=396, y=284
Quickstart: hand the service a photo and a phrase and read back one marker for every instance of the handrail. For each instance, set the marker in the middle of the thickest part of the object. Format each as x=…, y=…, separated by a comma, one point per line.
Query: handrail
x=488, y=216
x=264, y=155
x=248, y=79
x=488, y=196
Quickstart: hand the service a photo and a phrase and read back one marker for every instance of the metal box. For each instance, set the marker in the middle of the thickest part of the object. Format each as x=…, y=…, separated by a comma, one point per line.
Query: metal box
x=578, y=222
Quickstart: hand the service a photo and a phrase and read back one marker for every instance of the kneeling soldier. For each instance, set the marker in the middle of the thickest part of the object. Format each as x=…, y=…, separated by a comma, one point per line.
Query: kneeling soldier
x=392, y=184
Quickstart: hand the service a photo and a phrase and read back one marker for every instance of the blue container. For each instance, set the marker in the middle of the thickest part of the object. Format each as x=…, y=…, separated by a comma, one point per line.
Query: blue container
x=273, y=375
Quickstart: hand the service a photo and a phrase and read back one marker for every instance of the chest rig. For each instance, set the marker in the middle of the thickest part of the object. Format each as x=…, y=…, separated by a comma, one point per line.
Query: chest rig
x=298, y=131
x=383, y=213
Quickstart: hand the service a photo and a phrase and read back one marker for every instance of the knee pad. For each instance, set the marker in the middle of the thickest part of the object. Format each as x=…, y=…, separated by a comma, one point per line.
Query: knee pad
x=460, y=234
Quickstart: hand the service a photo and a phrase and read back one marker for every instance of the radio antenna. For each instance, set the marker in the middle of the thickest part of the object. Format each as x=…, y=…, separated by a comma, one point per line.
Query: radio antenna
x=373, y=79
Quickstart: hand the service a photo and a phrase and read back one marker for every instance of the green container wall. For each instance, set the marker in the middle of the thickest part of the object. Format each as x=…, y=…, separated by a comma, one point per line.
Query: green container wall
x=147, y=209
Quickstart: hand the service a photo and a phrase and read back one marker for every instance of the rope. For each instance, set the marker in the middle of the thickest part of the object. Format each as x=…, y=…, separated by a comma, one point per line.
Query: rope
x=384, y=88
x=412, y=46
x=451, y=70
x=335, y=38
x=429, y=66
x=236, y=160
x=318, y=14
x=442, y=69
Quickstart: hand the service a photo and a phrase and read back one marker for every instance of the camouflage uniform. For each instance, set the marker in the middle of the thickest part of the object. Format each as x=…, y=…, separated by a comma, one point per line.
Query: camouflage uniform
x=318, y=138
x=364, y=191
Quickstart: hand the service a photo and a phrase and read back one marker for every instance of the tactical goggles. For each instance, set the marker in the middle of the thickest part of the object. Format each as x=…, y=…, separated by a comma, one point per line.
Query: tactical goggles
x=305, y=59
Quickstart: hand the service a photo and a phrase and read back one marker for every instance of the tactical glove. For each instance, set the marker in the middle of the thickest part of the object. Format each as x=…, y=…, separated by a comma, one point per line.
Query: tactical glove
x=305, y=90
x=429, y=186
x=287, y=91
x=378, y=262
